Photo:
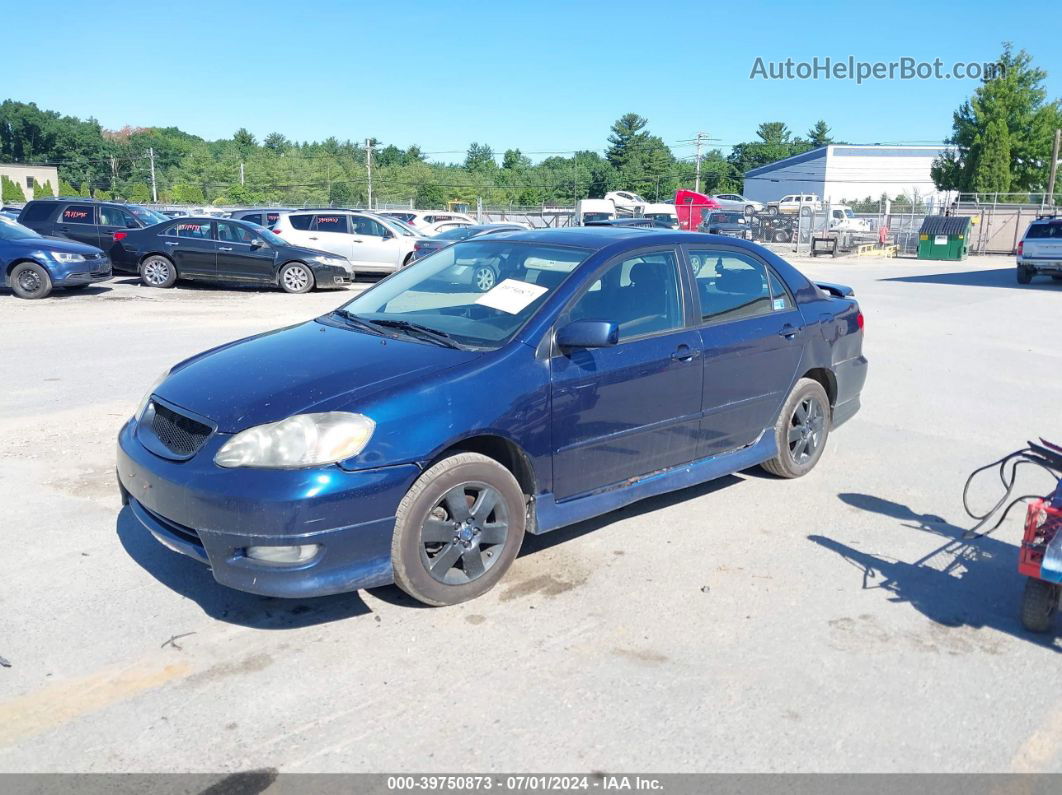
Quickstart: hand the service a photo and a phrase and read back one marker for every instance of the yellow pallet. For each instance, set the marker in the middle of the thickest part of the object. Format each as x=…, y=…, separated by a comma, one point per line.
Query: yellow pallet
x=874, y=250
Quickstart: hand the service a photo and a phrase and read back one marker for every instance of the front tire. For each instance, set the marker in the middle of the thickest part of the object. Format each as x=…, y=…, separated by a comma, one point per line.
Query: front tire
x=457, y=530
x=1024, y=275
x=29, y=280
x=296, y=277
x=1038, y=605
x=158, y=271
x=801, y=431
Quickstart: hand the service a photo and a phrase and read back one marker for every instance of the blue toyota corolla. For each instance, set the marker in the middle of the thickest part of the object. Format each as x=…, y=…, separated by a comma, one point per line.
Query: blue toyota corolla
x=32, y=265
x=416, y=433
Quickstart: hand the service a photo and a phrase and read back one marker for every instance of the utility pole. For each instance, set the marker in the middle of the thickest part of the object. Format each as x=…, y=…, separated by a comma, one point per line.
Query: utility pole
x=154, y=189
x=241, y=172
x=369, y=168
x=1054, y=167
x=697, y=180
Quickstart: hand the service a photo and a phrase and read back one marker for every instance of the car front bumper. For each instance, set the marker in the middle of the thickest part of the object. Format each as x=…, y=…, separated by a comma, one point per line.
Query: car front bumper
x=214, y=514
x=75, y=274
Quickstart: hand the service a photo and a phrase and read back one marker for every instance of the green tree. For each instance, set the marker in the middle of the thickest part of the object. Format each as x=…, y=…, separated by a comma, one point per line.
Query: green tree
x=66, y=189
x=773, y=132
x=43, y=190
x=187, y=193
x=625, y=137
x=139, y=193
x=819, y=135
x=11, y=191
x=514, y=160
x=480, y=157
x=1006, y=126
x=276, y=143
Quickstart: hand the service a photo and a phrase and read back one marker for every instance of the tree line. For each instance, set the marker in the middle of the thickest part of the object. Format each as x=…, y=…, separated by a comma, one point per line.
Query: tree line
x=93, y=161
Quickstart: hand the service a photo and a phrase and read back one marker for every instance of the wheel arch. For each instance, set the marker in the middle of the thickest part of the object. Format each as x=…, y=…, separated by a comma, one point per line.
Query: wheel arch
x=23, y=260
x=827, y=379
x=499, y=448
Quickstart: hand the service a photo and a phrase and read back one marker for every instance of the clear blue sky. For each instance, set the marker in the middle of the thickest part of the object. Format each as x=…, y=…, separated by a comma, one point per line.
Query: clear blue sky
x=541, y=76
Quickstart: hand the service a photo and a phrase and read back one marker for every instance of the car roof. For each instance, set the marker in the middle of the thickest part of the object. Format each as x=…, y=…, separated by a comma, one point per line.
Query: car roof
x=598, y=237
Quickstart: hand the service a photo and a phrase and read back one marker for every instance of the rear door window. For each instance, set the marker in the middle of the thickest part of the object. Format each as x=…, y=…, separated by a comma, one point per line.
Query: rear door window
x=732, y=286
x=330, y=223
x=197, y=230
x=78, y=214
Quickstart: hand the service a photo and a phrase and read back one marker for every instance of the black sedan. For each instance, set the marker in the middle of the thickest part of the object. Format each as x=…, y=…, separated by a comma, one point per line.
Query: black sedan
x=430, y=245
x=240, y=252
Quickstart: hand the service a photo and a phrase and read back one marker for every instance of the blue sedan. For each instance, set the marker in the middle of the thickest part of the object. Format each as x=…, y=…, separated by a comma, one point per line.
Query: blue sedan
x=32, y=265
x=415, y=434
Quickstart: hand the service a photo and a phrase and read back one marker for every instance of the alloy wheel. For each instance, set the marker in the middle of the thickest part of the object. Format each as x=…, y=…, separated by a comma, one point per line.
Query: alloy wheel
x=805, y=429
x=156, y=272
x=464, y=533
x=296, y=278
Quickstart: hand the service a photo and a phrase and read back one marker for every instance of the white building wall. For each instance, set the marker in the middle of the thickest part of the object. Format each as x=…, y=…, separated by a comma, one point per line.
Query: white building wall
x=841, y=173
x=40, y=174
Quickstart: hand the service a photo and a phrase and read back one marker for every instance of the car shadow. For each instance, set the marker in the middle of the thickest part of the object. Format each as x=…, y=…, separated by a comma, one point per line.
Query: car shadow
x=62, y=293
x=193, y=580
x=963, y=582
x=997, y=277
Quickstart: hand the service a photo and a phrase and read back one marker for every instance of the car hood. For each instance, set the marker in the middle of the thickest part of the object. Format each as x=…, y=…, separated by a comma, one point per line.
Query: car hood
x=308, y=367
x=60, y=244
x=302, y=251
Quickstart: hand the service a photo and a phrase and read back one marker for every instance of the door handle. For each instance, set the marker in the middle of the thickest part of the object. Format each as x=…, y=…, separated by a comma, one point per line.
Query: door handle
x=684, y=353
x=312, y=237
x=224, y=248
x=355, y=240
x=171, y=242
x=789, y=331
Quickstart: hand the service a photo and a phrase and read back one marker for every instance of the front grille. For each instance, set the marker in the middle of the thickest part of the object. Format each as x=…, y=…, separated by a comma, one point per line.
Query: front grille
x=180, y=434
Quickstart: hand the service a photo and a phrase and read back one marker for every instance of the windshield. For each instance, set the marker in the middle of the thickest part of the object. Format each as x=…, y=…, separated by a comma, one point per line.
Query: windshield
x=439, y=293
x=149, y=217
x=12, y=230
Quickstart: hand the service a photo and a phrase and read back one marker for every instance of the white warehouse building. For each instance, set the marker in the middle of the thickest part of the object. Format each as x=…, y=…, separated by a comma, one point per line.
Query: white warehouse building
x=841, y=173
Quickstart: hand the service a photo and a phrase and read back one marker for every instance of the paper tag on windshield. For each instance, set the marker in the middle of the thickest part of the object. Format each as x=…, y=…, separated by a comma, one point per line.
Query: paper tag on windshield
x=511, y=296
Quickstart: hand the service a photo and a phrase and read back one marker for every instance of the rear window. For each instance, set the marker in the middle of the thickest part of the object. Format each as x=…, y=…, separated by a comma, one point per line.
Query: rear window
x=77, y=214
x=254, y=218
x=36, y=212
x=300, y=221
x=271, y=218
x=1041, y=231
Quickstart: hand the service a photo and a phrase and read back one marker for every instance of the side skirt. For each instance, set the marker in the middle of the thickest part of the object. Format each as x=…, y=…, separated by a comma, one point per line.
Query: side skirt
x=550, y=515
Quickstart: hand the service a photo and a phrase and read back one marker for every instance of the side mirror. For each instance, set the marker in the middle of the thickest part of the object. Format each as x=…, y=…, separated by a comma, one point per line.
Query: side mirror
x=257, y=243
x=588, y=334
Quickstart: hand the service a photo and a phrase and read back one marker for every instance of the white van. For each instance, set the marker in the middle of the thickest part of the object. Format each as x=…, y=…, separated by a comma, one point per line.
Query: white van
x=594, y=210
x=661, y=211
x=367, y=241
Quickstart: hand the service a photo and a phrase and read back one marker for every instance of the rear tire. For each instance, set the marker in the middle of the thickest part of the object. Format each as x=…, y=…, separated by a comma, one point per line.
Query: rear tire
x=29, y=280
x=158, y=271
x=1039, y=604
x=801, y=431
x=295, y=277
x=1024, y=275
x=457, y=530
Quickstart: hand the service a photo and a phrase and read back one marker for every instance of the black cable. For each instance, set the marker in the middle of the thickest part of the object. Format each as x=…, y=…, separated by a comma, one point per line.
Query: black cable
x=1027, y=455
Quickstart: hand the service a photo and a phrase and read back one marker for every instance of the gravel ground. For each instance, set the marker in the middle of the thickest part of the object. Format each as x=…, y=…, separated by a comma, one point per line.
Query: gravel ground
x=734, y=626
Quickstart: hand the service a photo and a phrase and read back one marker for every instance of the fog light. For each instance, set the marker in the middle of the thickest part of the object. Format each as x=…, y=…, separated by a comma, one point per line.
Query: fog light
x=286, y=554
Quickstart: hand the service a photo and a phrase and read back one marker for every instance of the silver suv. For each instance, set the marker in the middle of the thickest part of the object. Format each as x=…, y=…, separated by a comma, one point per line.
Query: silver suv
x=1040, y=251
x=372, y=244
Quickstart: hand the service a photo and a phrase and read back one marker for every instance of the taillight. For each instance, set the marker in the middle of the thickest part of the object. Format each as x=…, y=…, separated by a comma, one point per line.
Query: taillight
x=1021, y=244
x=276, y=231
x=859, y=320
x=119, y=236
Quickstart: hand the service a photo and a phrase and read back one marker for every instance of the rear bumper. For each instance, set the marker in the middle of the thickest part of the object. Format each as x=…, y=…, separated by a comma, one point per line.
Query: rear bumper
x=213, y=515
x=1041, y=264
x=850, y=375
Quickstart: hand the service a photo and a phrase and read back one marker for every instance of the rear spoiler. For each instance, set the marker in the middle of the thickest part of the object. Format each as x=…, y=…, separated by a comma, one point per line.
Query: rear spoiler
x=836, y=290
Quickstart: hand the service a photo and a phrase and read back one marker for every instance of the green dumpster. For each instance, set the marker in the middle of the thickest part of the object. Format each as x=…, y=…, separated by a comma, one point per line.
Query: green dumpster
x=944, y=237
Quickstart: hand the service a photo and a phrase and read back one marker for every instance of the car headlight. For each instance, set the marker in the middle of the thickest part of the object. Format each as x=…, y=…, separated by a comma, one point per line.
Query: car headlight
x=338, y=261
x=301, y=441
x=64, y=256
x=147, y=396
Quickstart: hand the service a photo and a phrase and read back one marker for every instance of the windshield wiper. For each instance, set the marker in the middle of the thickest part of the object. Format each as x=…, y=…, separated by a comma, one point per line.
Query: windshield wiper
x=430, y=334
x=359, y=322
